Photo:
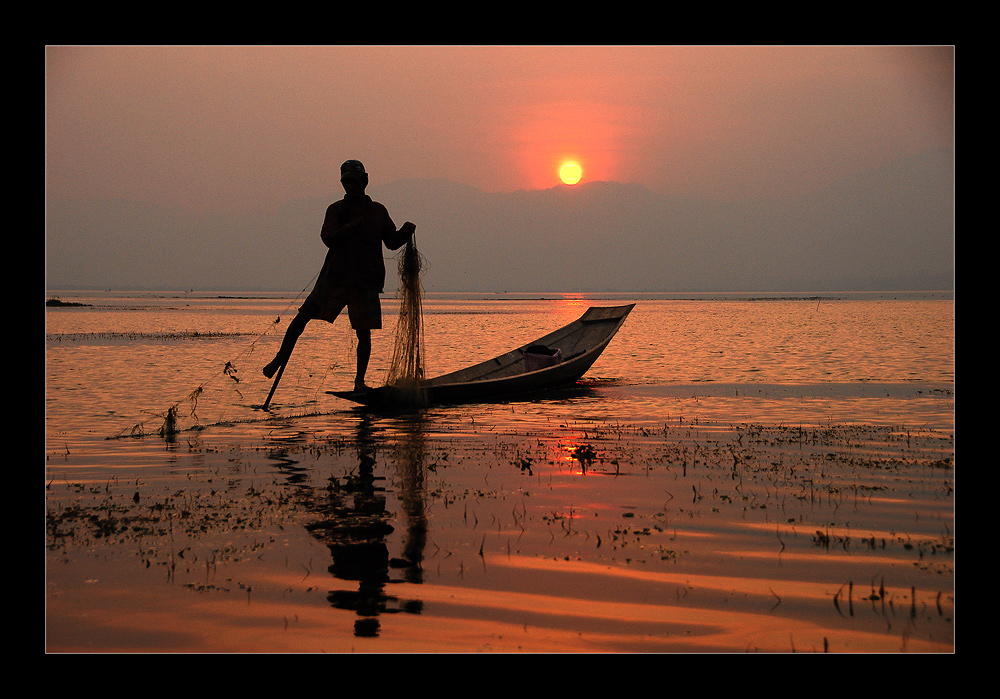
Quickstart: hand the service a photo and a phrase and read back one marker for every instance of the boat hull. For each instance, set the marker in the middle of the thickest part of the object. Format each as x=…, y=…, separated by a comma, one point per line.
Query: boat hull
x=505, y=376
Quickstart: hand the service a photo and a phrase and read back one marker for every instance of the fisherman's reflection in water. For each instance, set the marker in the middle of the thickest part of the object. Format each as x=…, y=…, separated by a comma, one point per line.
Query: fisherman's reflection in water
x=355, y=526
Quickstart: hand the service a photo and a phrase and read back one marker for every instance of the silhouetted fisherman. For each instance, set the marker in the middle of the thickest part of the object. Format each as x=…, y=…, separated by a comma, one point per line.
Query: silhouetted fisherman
x=353, y=275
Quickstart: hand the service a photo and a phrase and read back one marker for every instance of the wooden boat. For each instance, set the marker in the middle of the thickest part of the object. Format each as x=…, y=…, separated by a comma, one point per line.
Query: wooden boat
x=555, y=360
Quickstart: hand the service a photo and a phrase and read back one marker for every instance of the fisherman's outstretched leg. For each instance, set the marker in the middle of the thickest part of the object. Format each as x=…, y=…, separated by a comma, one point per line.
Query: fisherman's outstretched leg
x=295, y=329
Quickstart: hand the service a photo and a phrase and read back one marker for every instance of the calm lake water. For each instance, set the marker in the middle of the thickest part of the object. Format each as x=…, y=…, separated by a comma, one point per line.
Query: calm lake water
x=126, y=358
x=493, y=502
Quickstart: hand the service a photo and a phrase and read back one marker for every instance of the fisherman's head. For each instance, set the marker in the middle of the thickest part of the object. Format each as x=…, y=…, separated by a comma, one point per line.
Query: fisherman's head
x=353, y=175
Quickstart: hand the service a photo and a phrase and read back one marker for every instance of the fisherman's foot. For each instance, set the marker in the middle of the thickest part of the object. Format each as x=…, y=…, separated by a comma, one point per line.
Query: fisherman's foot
x=360, y=386
x=272, y=368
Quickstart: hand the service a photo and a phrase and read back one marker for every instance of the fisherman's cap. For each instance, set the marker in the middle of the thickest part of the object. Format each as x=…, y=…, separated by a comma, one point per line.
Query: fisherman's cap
x=352, y=170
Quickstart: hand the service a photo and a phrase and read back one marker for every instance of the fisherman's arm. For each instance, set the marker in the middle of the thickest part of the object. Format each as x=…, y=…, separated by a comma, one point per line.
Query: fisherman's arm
x=394, y=239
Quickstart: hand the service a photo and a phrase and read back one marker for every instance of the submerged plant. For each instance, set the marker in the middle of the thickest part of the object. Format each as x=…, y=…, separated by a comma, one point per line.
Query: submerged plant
x=169, y=423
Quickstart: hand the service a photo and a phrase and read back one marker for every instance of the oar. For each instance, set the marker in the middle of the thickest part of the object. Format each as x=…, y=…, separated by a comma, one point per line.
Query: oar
x=274, y=387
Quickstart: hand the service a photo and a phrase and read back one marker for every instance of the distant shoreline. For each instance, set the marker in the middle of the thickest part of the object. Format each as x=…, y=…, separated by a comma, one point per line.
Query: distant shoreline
x=57, y=303
x=932, y=294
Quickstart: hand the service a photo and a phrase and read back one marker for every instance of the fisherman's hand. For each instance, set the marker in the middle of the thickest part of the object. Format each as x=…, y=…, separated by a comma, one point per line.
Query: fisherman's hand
x=408, y=228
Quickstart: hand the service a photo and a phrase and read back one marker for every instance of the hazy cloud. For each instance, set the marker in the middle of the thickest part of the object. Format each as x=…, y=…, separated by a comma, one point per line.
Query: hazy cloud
x=157, y=153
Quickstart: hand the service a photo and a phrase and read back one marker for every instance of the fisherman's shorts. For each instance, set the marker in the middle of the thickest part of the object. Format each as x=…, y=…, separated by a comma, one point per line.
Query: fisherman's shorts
x=364, y=308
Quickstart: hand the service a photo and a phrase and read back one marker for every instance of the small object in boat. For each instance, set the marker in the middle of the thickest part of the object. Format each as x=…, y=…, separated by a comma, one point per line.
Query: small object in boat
x=540, y=356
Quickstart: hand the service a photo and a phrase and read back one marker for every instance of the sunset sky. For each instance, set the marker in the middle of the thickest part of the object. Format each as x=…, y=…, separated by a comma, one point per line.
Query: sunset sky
x=214, y=128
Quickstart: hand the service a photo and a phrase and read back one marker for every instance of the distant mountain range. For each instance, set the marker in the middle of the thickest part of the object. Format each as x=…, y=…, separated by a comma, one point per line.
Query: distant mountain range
x=887, y=229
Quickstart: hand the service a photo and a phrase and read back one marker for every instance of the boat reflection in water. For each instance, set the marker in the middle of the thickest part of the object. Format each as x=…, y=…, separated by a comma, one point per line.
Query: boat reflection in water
x=355, y=525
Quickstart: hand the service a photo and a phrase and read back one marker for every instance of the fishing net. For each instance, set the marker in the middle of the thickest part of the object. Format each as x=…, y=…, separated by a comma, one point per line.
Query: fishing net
x=406, y=370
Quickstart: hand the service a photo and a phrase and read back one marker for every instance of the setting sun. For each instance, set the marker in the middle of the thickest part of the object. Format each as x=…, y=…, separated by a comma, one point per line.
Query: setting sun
x=570, y=173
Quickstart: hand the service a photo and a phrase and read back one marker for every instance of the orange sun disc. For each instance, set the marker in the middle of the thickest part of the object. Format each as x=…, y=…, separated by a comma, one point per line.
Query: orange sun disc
x=570, y=173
